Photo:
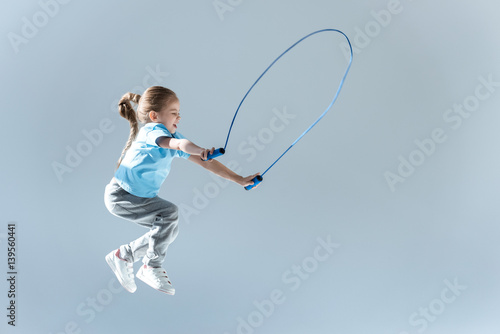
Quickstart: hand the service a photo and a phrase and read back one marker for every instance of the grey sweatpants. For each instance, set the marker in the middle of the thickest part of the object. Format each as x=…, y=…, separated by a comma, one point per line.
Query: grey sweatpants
x=156, y=214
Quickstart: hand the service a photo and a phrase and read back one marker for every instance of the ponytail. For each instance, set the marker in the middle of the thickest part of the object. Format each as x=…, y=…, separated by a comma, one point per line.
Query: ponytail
x=127, y=112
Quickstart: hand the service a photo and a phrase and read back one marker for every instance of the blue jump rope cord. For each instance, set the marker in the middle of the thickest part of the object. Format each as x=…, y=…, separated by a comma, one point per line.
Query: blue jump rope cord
x=320, y=117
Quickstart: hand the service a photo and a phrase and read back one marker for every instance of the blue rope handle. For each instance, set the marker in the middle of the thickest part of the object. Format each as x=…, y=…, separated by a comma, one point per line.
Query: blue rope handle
x=320, y=117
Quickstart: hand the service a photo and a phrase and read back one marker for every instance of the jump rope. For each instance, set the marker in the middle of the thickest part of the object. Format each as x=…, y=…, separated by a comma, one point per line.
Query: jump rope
x=258, y=179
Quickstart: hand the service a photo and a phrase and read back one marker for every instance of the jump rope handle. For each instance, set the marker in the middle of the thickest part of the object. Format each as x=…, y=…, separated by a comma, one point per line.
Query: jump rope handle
x=256, y=180
x=217, y=153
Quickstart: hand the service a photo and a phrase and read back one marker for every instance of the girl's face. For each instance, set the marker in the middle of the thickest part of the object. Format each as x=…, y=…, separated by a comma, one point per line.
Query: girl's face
x=169, y=116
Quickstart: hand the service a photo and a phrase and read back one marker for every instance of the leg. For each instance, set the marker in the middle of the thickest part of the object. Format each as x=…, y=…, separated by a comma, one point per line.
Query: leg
x=163, y=233
x=152, y=246
x=157, y=214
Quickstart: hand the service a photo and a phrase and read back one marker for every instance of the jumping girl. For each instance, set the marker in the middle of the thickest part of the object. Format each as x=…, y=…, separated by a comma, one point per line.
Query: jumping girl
x=143, y=166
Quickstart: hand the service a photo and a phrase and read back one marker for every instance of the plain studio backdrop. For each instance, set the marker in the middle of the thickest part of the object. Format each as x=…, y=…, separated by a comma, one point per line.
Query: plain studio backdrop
x=384, y=219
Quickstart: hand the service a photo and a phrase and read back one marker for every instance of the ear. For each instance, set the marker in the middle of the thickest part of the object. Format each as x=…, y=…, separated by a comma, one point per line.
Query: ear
x=153, y=116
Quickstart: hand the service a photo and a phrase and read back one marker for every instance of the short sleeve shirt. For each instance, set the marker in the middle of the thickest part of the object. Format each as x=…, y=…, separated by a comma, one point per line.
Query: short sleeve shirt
x=146, y=165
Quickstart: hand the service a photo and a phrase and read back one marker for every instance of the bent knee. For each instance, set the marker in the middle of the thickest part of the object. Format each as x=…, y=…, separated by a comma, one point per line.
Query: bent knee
x=171, y=215
x=174, y=213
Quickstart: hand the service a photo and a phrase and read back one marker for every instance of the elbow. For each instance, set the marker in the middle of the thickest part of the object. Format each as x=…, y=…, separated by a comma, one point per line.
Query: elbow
x=181, y=144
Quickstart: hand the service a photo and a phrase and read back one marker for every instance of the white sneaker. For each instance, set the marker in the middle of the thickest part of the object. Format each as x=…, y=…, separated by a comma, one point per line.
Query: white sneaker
x=123, y=270
x=156, y=278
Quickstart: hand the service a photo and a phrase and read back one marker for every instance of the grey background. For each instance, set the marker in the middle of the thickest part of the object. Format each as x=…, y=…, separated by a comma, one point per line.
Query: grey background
x=397, y=248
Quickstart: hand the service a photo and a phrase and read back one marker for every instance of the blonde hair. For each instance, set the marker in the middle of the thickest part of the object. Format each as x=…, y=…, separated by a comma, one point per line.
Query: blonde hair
x=154, y=98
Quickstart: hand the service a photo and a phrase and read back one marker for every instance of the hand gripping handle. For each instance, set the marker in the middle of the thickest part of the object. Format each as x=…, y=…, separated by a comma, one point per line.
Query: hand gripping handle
x=256, y=180
x=218, y=152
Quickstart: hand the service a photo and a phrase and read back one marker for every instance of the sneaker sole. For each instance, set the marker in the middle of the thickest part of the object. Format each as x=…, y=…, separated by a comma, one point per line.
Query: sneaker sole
x=109, y=260
x=142, y=278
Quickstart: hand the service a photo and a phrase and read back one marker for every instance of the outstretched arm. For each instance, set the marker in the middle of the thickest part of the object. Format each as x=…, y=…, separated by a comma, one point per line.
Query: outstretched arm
x=198, y=155
x=219, y=169
x=183, y=145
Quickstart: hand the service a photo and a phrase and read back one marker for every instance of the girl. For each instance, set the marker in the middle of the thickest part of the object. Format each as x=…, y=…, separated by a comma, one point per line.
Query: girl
x=132, y=193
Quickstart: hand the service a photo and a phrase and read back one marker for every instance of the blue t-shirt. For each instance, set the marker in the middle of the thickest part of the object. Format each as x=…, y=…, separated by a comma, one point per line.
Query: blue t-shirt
x=146, y=165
